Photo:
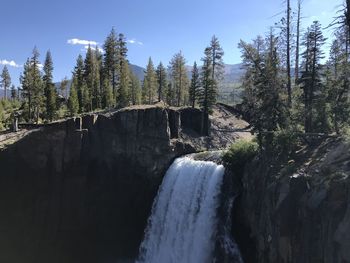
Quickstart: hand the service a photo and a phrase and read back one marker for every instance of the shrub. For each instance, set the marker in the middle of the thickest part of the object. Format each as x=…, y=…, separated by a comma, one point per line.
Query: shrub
x=239, y=154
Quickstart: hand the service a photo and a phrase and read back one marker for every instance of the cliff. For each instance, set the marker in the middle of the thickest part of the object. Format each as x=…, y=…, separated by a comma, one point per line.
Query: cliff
x=81, y=190
x=297, y=210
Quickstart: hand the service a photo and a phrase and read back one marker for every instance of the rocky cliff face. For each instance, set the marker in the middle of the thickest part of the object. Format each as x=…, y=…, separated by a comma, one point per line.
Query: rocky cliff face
x=81, y=190
x=297, y=212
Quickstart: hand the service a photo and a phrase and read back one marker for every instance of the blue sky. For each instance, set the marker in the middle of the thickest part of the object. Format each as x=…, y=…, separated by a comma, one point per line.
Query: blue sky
x=156, y=28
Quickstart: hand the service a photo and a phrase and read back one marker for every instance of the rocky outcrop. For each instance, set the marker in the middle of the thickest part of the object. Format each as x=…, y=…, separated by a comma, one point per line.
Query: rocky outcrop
x=81, y=190
x=297, y=211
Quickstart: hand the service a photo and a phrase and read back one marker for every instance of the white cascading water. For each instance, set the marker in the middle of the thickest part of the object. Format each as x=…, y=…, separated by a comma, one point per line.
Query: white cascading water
x=182, y=226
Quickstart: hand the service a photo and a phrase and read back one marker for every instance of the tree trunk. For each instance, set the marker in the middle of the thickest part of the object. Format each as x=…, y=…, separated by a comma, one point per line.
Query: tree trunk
x=289, y=83
x=296, y=75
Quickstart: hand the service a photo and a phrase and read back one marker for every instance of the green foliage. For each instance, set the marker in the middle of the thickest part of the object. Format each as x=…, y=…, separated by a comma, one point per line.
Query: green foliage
x=73, y=103
x=263, y=97
x=2, y=117
x=179, y=79
x=161, y=81
x=195, y=85
x=211, y=75
x=149, y=84
x=49, y=89
x=135, y=89
x=285, y=142
x=239, y=154
x=5, y=80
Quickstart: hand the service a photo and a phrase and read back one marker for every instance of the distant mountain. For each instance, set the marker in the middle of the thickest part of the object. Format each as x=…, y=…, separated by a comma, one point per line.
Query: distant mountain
x=138, y=71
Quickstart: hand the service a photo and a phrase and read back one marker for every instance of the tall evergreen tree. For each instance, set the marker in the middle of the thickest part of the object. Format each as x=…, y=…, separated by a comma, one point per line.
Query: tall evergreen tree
x=123, y=73
x=311, y=75
x=5, y=80
x=64, y=87
x=262, y=84
x=297, y=47
x=49, y=88
x=149, y=84
x=161, y=81
x=111, y=65
x=207, y=95
x=13, y=92
x=107, y=96
x=179, y=78
x=32, y=86
x=73, y=102
x=217, y=66
x=135, y=90
x=78, y=74
x=195, y=85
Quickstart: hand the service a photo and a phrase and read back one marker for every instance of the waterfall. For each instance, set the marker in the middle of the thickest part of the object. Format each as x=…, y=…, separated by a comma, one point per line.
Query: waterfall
x=183, y=223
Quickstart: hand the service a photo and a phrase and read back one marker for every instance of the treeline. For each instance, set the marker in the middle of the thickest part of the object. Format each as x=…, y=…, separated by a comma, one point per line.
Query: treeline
x=104, y=80
x=315, y=99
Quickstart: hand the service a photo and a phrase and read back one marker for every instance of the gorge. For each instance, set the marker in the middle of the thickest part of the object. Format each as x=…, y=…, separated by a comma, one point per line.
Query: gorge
x=82, y=190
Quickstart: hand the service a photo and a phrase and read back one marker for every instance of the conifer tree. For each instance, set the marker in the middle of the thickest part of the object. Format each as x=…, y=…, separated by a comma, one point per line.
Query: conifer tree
x=123, y=73
x=27, y=89
x=5, y=80
x=135, y=90
x=78, y=74
x=179, y=78
x=111, y=65
x=38, y=98
x=64, y=87
x=107, y=98
x=49, y=88
x=73, y=102
x=13, y=92
x=262, y=84
x=32, y=86
x=310, y=77
x=207, y=94
x=161, y=81
x=217, y=66
x=149, y=84
x=195, y=85
x=89, y=77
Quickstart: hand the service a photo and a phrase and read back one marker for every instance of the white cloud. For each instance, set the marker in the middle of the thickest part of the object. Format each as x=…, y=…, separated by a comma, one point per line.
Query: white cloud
x=76, y=41
x=10, y=63
x=134, y=41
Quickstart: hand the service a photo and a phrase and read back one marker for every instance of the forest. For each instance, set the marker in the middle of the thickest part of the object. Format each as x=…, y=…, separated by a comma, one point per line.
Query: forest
x=292, y=82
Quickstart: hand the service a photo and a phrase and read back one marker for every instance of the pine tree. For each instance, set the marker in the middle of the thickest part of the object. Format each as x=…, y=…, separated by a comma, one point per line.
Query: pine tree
x=161, y=81
x=64, y=87
x=27, y=89
x=49, y=88
x=310, y=77
x=89, y=77
x=195, y=85
x=32, y=86
x=5, y=80
x=107, y=98
x=149, y=84
x=296, y=77
x=78, y=74
x=13, y=92
x=123, y=73
x=111, y=60
x=135, y=90
x=337, y=81
x=207, y=93
x=38, y=98
x=262, y=84
x=179, y=78
x=217, y=66
x=73, y=102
